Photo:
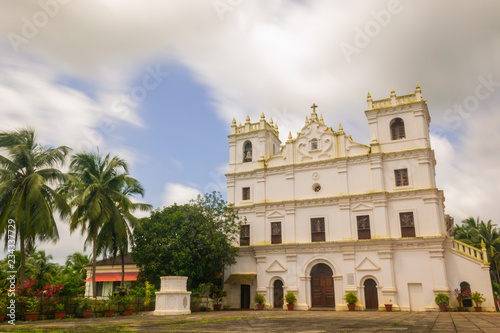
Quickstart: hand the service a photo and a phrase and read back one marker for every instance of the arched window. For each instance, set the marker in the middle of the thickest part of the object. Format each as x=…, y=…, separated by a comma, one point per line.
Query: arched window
x=398, y=129
x=247, y=151
x=314, y=144
x=465, y=293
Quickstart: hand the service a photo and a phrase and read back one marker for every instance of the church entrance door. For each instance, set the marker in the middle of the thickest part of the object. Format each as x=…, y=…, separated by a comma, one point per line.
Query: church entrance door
x=245, y=296
x=278, y=294
x=322, y=286
x=371, y=297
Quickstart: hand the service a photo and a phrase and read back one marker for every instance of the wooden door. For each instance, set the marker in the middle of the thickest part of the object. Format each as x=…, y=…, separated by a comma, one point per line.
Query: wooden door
x=322, y=286
x=278, y=294
x=245, y=296
x=371, y=295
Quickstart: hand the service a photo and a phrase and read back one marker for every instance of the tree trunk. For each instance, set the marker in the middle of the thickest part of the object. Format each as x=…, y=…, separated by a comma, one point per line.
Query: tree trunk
x=22, y=267
x=94, y=264
x=123, y=269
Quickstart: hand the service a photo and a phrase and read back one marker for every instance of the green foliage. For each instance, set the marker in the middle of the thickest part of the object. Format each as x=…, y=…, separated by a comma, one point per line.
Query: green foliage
x=259, y=299
x=59, y=307
x=99, y=191
x=31, y=305
x=194, y=240
x=217, y=294
x=85, y=303
x=26, y=170
x=473, y=232
x=290, y=297
x=3, y=306
x=351, y=297
x=478, y=298
x=442, y=299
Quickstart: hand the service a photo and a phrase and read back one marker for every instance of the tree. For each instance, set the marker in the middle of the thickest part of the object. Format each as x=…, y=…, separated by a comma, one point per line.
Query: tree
x=26, y=170
x=96, y=193
x=116, y=234
x=75, y=264
x=194, y=240
x=41, y=269
x=473, y=232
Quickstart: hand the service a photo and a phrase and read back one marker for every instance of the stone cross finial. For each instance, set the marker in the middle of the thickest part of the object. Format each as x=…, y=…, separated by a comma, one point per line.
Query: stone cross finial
x=314, y=106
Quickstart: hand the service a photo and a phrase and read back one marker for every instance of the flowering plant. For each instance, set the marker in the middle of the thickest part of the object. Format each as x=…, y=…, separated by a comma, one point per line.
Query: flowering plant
x=461, y=295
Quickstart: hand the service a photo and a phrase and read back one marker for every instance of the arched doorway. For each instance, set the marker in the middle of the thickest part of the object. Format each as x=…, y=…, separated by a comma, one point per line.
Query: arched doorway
x=322, y=293
x=278, y=294
x=371, y=296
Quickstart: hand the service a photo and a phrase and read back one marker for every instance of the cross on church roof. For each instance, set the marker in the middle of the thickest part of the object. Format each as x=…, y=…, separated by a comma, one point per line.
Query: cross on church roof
x=314, y=106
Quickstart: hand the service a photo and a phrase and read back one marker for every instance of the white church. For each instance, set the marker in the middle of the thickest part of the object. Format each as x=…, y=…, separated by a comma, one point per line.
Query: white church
x=326, y=215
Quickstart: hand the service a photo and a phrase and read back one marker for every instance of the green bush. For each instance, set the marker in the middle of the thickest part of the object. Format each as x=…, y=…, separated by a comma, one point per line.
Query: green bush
x=351, y=297
x=290, y=298
x=259, y=299
x=442, y=299
x=478, y=298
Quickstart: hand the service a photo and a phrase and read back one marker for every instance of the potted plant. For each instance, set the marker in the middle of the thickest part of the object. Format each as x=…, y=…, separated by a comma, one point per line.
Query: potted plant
x=109, y=307
x=59, y=313
x=128, y=302
x=442, y=300
x=388, y=306
x=460, y=296
x=86, y=307
x=478, y=298
x=351, y=298
x=3, y=310
x=217, y=295
x=31, y=307
x=290, y=299
x=260, y=299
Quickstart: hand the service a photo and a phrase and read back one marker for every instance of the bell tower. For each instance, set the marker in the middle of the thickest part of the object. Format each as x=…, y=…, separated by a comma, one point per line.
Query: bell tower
x=399, y=122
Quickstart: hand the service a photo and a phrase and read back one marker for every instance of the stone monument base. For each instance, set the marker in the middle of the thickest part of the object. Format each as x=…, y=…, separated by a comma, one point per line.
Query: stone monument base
x=173, y=297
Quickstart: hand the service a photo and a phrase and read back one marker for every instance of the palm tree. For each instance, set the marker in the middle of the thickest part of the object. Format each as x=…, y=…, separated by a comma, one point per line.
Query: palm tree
x=26, y=170
x=41, y=269
x=116, y=234
x=76, y=262
x=96, y=193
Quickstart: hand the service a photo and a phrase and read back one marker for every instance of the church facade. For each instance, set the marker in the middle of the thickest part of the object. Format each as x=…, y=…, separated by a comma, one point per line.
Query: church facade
x=326, y=215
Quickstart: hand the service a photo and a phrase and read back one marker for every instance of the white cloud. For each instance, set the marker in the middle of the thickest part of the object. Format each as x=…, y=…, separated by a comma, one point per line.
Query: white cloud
x=179, y=194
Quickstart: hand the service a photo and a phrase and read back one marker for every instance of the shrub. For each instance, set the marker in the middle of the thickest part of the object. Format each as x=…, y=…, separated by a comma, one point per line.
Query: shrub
x=351, y=297
x=478, y=298
x=31, y=305
x=442, y=299
x=259, y=299
x=290, y=298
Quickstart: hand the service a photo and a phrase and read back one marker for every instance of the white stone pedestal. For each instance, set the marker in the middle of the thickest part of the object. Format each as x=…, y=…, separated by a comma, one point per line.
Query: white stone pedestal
x=173, y=297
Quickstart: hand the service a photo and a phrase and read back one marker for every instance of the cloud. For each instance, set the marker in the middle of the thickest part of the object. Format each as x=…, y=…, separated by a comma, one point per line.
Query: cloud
x=179, y=194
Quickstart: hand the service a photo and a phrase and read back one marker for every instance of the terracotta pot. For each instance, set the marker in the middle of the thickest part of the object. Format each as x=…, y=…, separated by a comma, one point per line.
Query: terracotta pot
x=31, y=316
x=442, y=307
x=460, y=309
x=87, y=313
x=196, y=310
x=260, y=306
x=478, y=308
x=147, y=307
x=290, y=306
x=351, y=307
x=128, y=312
x=59, y=314
x=388, y=307
x=2, y=316
x=109, y=313
x=217, y=307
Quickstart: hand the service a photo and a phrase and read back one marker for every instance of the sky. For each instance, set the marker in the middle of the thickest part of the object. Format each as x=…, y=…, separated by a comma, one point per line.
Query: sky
x=158, y=83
